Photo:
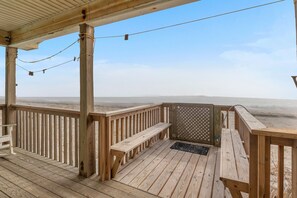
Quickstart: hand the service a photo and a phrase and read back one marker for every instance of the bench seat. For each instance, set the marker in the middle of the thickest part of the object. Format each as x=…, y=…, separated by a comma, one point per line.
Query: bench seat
x=132, y=143
x=234, y=168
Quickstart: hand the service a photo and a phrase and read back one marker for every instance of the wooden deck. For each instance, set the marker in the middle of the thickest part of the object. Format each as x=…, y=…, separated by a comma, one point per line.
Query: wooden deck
x=170, y=173
x=30, y=175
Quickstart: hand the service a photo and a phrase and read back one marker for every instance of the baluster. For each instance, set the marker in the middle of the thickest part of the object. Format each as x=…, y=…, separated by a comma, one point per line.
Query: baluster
x=118, y=132
x=71, y=161
x=56, y=122
x=42, y=133
x=112, y=136
x=38, y=133
x=51, y=129
x=60, y=138
x=76, y=139
x=280, y=171
x=294, y=169
x=65, y=140
x=46, y=137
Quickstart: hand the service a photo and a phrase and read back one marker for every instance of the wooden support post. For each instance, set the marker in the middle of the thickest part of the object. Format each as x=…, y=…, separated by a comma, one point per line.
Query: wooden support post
x=294, y=169
x=86, y=124
x=10, y=88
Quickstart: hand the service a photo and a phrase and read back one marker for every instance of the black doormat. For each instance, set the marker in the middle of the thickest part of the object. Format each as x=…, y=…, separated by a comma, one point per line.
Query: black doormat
x=191, y=148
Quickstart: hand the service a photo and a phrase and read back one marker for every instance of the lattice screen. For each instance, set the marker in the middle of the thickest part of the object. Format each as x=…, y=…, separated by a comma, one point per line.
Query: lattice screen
x=192, y=122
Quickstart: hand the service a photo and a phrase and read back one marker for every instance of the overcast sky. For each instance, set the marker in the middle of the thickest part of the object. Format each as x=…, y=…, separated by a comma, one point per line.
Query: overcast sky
x=248, y=54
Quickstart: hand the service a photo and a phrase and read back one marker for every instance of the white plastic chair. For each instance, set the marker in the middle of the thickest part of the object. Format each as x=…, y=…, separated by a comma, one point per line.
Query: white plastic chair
x=7, y=139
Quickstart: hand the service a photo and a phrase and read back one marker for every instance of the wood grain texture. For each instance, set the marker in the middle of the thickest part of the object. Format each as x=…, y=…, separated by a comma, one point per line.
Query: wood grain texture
x=86, y=124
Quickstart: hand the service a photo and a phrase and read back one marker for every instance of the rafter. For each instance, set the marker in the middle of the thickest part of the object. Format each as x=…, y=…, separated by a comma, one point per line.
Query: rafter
x=97, y=13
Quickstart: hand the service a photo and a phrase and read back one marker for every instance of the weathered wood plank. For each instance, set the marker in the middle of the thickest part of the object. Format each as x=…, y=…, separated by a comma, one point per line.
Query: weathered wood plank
x=39, y=180
x=208, y=177
x=12, y=190
x=146, y=165
x=182, y=186
x=126, y=169
x=113, y=189
x=66, y=183
x=152, y=177
x=196, y=181
x=26, y=184
x=172, y=181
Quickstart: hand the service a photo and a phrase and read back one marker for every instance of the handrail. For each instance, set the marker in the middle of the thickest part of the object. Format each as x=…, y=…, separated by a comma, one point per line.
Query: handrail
x=125, y=111
x=257, y=140
x=2, y=106
x=277, y=132
x=47, y=110
x=250, y=121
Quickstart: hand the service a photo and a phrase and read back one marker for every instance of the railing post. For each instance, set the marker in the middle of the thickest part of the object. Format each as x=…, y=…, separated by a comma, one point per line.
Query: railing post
x=217, y=125
x=86, y=125
x=263, y=166
x=253, y=168
x=10, y=88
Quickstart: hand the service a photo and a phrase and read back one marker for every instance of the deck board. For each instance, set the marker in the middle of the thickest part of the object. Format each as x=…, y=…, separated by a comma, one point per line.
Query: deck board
x=158, y=171
x=170, y=173
x=30, y=175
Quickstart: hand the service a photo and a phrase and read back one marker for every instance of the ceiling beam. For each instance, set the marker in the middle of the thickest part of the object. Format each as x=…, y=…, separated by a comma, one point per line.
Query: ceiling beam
x=96, y=13
x=4, y=38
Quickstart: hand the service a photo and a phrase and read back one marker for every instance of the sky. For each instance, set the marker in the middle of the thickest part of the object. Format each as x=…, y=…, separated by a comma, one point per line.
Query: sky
x=247, y=54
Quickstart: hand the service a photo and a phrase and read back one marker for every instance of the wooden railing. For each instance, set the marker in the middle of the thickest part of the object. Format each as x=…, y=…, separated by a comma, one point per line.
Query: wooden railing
x=116, y=126
x=49, y=132
x=257, y=143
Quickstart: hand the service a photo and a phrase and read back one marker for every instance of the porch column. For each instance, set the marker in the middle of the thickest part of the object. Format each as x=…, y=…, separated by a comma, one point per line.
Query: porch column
x=10, y=87
x=86, y=124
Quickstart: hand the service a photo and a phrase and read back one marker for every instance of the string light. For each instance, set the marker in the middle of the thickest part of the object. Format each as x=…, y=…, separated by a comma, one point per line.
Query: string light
x=126, y=36
x=31, y=73
x=49, y=57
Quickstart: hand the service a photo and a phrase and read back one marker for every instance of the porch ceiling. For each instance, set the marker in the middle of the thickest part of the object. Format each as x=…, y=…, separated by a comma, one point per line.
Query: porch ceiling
x=25, y=23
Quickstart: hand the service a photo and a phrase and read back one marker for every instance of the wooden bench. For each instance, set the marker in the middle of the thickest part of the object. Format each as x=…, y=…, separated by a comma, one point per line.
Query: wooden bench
x=234, y=170
x=132, y=143
x=6, y=140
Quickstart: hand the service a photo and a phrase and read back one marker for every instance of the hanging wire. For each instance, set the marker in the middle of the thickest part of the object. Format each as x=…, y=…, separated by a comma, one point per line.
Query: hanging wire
x=188, y=22
x=49, y=57
x=126, y=36
x=23, y=68
x=47, y=68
